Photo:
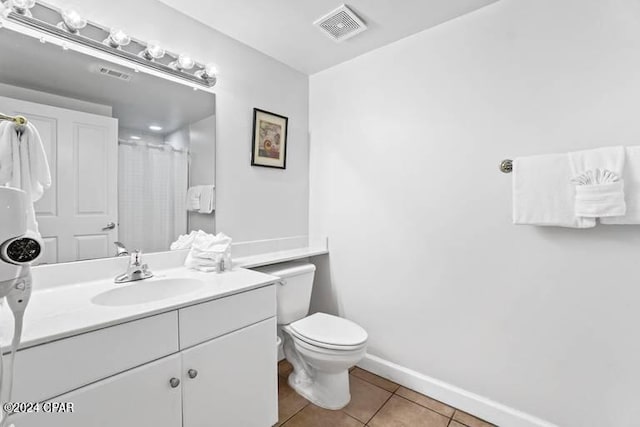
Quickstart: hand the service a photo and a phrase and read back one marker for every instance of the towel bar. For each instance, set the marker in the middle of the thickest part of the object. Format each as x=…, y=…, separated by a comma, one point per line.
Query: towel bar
x=506, y=166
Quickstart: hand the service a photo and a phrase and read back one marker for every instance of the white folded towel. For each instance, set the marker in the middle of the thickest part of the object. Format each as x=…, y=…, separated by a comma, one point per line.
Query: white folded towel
x=184, y=241
x=207, y=199
x=208, y=250
x=193, y=198
x=597, y=175
x=543, y=193
x=631, y=177
x=24, y=165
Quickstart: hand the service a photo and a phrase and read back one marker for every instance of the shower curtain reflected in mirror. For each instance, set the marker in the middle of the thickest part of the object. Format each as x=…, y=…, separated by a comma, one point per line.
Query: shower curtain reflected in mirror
x=152, y=188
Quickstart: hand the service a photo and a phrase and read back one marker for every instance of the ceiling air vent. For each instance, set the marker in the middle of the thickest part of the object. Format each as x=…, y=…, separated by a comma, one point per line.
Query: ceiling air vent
x=341, y=24
x=114, y=73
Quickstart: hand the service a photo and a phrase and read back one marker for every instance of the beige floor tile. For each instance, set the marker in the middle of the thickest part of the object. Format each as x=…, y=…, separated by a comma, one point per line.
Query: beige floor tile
x=314, y=416
x=426, y=401
x=375, y=379
x=366, y=399
x=399, y=412
x=289, y=402
x=284, y=368
x=470, y=420
x=456, y=424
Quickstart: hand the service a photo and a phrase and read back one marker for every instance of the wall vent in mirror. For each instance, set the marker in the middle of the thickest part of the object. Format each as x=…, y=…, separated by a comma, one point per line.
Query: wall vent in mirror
x=70, y=25
x=115, y=74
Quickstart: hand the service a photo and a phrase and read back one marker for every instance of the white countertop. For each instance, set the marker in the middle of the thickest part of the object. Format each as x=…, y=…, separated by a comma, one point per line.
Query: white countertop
x=279, y=256
x=64, y=311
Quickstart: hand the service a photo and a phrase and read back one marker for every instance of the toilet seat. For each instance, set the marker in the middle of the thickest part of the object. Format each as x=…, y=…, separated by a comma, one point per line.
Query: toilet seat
x=329, y=332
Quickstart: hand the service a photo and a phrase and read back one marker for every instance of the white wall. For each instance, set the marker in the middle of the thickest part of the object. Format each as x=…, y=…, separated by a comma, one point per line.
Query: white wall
x=405, y=147
x=202, y=169
x=40, y=97
x=253, y=203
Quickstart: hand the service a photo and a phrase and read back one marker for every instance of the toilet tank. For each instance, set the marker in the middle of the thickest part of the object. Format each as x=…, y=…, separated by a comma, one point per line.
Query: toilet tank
x=293, y=291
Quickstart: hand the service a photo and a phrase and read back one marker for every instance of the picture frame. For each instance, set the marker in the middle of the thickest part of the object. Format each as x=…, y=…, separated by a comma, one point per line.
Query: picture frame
x=269, y=145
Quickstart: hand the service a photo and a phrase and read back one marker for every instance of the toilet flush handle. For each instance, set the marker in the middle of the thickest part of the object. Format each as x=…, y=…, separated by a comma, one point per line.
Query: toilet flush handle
x=282, y=282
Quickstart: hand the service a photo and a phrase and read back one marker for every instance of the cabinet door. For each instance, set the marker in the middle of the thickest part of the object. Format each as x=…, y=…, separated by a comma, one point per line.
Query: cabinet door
x=236, y=382
x=139, y=397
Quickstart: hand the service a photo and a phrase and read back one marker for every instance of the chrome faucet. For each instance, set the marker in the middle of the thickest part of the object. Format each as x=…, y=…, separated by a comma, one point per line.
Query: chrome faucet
x=121, y=250
x=135, y=271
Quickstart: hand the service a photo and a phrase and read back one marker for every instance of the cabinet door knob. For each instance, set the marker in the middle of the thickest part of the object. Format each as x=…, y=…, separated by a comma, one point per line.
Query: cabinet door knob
x=174, y=382
x=192, y=373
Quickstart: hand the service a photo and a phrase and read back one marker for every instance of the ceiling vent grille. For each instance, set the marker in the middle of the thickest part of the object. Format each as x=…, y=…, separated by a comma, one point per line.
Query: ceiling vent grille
x=114, y=73
x=341, y=24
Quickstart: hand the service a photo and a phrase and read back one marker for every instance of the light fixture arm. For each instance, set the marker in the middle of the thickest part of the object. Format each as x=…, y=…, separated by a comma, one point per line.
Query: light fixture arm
x=104, y=39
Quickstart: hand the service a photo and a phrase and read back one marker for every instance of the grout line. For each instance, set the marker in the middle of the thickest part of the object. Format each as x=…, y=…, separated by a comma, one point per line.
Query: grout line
x=295, y=413
x=392, y=392
x=351, y=416
x=425, y=407
x=380, y=408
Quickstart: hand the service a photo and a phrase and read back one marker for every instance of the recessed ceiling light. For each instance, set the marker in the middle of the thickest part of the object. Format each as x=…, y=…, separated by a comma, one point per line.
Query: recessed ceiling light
x=155, y=127
x=137, y=138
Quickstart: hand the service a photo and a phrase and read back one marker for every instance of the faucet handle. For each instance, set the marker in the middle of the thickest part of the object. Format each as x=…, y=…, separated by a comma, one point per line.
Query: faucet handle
x=136, y=256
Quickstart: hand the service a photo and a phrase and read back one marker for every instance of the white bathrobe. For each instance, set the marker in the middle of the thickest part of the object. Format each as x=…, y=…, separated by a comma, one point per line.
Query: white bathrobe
x=24, y=165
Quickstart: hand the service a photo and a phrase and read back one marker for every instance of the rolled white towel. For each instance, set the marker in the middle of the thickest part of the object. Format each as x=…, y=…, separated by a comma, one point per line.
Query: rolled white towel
x=208, y=250
x=599, y=187
x=184, y=241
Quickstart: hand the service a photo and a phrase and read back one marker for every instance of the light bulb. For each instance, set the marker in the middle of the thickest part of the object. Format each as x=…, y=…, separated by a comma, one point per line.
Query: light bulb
x=183, y=63
x=209, y=73
x=72, y=21
x=117, y=38
x=153, y=51
x=21, y=6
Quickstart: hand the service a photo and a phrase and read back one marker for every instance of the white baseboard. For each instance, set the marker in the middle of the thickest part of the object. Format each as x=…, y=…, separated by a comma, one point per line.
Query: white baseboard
x=479, y=406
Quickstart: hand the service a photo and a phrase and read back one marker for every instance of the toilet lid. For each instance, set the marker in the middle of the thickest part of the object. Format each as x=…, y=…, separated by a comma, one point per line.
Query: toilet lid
x=327, y=329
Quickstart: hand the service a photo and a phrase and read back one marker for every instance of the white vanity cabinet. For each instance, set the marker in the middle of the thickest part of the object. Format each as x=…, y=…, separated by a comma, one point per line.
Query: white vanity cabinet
x=140, y=397
x=233, y=382
x=223, y=372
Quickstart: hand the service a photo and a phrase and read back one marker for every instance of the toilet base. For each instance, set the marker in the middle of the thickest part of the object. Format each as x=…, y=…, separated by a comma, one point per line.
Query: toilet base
x=319, y=375
x=328, y=391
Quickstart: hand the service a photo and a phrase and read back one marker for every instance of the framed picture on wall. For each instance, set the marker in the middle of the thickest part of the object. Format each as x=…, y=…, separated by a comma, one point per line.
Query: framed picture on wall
x=269, y=146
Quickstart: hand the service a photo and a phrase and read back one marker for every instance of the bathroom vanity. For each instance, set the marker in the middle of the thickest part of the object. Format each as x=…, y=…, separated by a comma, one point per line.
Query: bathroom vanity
x=206, y=357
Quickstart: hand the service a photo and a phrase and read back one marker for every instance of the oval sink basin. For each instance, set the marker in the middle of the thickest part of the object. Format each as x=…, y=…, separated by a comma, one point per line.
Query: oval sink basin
x=147, y=291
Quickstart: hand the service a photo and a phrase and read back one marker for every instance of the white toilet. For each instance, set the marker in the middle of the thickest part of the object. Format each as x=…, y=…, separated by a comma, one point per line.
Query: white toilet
x=321, y=347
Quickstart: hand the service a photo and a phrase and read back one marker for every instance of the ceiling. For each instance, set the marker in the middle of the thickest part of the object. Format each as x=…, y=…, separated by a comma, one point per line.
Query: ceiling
x=284, y=30
x=142, y=101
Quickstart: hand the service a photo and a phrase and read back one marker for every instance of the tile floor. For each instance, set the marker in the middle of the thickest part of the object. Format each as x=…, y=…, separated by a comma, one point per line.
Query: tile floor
x=375, y=402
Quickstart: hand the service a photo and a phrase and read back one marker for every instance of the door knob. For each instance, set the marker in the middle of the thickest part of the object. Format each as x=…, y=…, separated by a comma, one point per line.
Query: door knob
x=109, y=226
x=192, y=373
x=174, y=382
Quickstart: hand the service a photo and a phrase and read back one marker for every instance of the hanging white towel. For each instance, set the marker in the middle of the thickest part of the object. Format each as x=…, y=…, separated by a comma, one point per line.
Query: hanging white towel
x=207, y=199
x=23, y=165
x=193, y=198
x=631, y=177
x=543, y=193
x=597, y=175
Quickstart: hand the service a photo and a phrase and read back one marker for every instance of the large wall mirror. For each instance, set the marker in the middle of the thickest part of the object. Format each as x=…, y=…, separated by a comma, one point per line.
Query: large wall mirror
x=123, y=148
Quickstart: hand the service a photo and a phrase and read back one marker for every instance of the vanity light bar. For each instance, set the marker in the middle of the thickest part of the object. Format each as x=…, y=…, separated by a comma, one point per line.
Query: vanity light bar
x=199, y=76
